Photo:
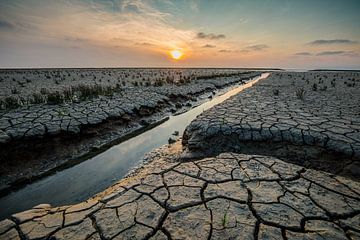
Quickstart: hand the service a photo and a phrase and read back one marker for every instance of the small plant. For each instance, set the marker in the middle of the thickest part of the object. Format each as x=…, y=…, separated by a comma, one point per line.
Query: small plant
x=276, y=92
x=10, y=102
x=55, y=98
x=314, y=87
x=38, y=98
x=68, y=94
x=62, y=112
x=300, y=93
x=225, y=219
x=44, y=91
x=158, y=83
x=135, y=84
x=14, y=91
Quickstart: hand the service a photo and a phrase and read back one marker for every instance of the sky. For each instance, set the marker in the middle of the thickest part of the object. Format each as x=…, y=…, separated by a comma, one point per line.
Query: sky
x=304, y=34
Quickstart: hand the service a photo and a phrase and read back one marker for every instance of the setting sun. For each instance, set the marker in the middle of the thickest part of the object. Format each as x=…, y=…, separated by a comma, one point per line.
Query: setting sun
x=176, y=54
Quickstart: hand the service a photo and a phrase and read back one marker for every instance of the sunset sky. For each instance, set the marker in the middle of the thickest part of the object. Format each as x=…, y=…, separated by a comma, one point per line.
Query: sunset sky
x=304, y=34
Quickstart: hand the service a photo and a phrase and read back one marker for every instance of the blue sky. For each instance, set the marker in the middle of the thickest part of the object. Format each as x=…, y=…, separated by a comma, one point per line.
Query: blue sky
x=124, y=33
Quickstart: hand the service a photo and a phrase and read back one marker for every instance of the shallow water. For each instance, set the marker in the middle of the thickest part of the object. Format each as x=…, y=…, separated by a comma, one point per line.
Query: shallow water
x=94, y=175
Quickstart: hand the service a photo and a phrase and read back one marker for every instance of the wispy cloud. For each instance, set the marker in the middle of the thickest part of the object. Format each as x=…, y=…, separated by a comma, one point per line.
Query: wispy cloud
x=331, y=42
x=75, y=39
x=6, y=25
x=341, y=53
x=225, y=51
x=208, y=46
x=248, y=49
x=121, y=23
x=146, y=44
x=210, y=36
x=131, y=7
x=194, y=5
x=255, y=48
x=258, y=47
x=303, y=54
x=328, y=53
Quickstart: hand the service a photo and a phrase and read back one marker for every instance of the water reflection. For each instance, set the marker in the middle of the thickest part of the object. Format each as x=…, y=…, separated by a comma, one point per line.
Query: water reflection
x=81, y=181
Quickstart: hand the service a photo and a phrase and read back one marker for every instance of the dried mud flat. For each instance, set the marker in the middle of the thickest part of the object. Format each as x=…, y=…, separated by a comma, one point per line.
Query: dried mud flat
x=223, y=197
x=225, y=194
x=87, y=110
x=309, y=118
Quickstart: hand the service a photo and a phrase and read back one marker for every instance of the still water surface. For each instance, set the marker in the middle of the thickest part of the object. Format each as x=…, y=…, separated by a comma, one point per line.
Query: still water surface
x=94, y=175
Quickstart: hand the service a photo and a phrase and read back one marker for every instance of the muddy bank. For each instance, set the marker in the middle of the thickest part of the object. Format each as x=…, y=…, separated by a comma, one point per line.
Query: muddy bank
x=27, y=159
x=309, y=118
x=225, y=196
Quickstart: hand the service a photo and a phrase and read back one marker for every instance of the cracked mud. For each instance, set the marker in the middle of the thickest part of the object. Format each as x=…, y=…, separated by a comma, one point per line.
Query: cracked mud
x=294, y=116
x=228, y=195
x=222, y=197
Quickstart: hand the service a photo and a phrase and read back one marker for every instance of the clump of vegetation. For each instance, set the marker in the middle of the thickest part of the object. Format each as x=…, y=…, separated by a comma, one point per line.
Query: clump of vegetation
x=14, y=91
x=38, y=98
x=135, y=84
x=10, y=102
x=333, y=84
x=314, y=87
x=91, y=91
x=158, y=83
x=55, y=98
x=300, y=93
x=349, y=84
x=323, y=88
x=44, y=91
x=276, y=92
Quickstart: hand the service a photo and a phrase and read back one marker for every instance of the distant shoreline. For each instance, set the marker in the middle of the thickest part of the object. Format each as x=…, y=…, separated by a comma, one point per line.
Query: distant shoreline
x=253, y=69
x=335, y=70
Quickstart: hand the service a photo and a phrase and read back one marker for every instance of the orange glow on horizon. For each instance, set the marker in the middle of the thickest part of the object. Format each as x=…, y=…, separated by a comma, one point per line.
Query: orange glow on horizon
x=176, y=54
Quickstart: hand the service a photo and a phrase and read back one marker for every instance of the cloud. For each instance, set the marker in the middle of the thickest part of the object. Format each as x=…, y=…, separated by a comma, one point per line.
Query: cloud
x=225, y=51
x=131, y=8
x=146, y=44
x=332, y=53
x=329, y=53
x=210, y=36
x=331, y=42
x=209, y=46
x=258, y=47
x=303, y=54
x=194, y=6
x=6, y=25
x=75, y=39
x=101, y=24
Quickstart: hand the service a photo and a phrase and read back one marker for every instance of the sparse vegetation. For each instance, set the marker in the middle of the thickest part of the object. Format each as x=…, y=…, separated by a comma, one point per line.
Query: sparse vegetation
x=323, y=88
x=225, y=219
x=314, y=87
x=300, y=93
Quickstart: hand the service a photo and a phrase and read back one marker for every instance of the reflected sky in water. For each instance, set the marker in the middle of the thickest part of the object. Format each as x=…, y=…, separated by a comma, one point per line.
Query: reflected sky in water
x=83, y=180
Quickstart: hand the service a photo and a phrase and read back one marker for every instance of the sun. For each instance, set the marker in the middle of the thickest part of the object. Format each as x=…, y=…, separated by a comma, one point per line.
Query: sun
x=176, y=54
